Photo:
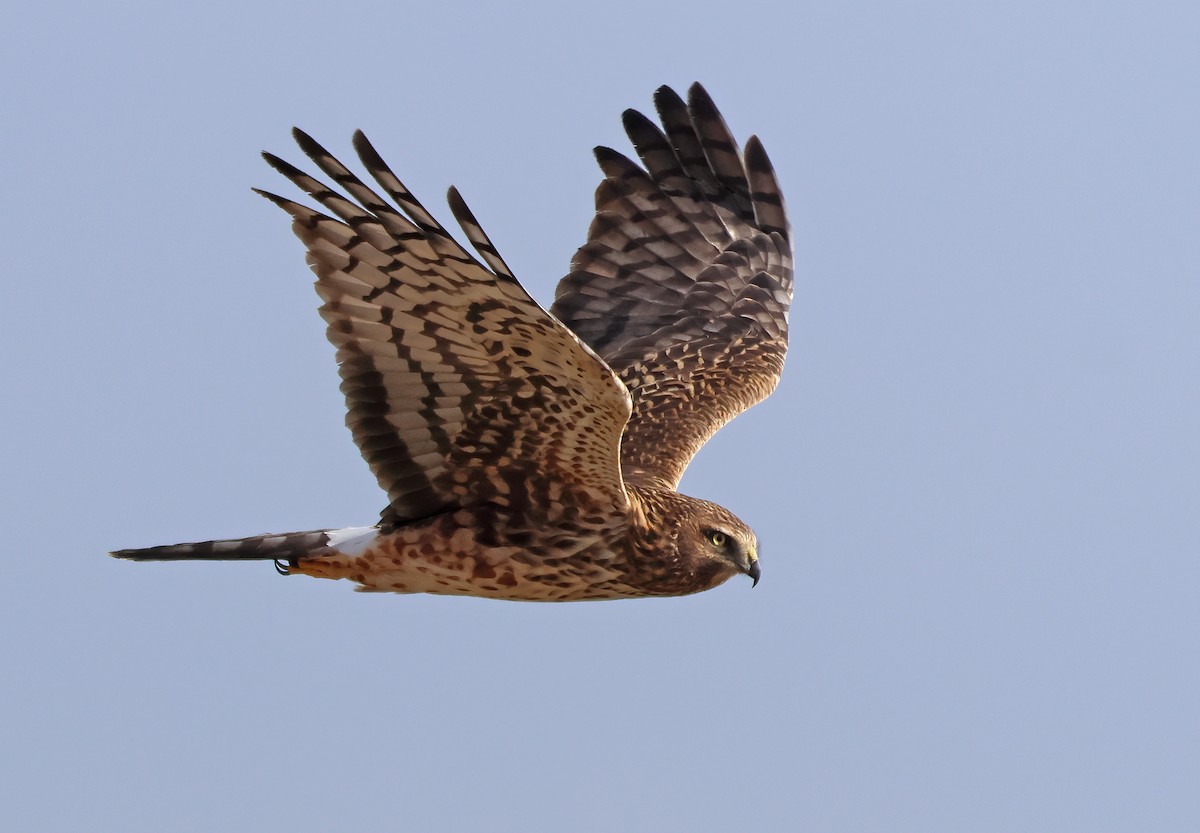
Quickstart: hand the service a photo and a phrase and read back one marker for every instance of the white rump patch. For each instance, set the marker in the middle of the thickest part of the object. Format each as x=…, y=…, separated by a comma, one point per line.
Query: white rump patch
x=354, y=540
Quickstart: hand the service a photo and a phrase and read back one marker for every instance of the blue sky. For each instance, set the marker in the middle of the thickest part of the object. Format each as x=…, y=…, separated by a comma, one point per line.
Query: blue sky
x=976, y=488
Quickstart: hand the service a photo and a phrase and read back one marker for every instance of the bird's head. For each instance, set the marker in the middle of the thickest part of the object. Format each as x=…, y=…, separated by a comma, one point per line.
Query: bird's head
x=715, y=544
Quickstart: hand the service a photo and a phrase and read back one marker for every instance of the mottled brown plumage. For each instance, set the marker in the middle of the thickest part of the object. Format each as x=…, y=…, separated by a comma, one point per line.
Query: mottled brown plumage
x=534, y=455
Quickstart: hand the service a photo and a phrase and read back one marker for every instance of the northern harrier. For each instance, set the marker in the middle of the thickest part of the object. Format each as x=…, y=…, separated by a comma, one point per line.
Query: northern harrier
x=529, y=454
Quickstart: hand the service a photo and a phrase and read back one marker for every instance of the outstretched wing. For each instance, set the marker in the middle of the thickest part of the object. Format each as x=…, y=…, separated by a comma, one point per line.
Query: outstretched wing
x=684, y=284
x=460, y=388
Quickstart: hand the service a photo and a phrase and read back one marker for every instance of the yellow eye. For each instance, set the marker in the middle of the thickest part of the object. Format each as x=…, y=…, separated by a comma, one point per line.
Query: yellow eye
x=716, y=538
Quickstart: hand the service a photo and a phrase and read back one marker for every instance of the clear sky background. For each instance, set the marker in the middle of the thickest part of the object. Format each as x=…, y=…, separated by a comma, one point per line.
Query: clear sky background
x=977, y=488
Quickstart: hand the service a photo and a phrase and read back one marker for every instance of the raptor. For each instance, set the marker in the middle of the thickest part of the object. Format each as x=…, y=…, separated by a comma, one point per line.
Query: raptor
x=534, y=454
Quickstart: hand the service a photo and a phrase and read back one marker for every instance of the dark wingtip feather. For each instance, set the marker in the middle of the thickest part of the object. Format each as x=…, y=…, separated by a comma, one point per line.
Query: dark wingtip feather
x=720, y=148
x=635, y=121
x=770, y=211
x=665, y=97
x=275, y=198
x=312, y=149
x=701, y=104
x=366, y=151
x=645, y=135
x=476, y=235
x=616, y=164
x=286, y=168
x=703, y=108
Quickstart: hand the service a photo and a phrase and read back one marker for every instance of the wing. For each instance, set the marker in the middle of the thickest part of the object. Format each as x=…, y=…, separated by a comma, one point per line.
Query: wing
x=684, y=284
x=460, y=388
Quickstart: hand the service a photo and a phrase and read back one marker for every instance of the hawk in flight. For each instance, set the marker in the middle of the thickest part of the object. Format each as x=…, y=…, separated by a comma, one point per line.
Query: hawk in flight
x=531, y=454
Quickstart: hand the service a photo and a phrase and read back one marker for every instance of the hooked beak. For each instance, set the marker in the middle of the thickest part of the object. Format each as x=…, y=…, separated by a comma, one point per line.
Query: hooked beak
x=754, y=571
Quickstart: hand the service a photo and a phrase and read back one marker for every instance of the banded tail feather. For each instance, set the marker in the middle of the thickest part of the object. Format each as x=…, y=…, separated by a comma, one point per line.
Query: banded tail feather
x=287, y=548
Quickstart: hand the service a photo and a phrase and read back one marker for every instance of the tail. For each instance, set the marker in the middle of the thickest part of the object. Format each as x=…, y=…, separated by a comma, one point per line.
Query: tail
x=286, y=549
